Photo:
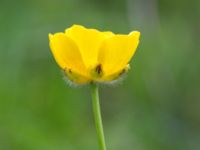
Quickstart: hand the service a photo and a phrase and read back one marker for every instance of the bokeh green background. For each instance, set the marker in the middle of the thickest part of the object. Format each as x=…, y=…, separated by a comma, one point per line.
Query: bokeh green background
x=157, y=106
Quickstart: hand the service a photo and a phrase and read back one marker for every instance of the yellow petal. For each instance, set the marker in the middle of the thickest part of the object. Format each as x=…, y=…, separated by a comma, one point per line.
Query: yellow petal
x=116, y=52
x=75, y=77
x=66, y=53
x=117, y=75
x=57, y=57
x=88, y=41
x=108, y=34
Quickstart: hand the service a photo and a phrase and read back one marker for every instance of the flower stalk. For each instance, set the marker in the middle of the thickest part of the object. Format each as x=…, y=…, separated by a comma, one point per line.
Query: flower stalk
x=97, y=116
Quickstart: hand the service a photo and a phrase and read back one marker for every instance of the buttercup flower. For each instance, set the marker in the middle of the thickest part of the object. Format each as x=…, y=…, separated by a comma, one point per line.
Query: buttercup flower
x=91, y=56
x=88, y=55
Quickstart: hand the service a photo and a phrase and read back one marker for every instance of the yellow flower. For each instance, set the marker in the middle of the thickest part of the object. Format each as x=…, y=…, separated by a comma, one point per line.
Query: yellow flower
x=88, y=55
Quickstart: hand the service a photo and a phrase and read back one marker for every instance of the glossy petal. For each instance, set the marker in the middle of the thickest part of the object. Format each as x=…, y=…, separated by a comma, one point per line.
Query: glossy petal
x=67, y=54
x=116, y=52
x=88, y=41
x=76, y=77
x=115, y=76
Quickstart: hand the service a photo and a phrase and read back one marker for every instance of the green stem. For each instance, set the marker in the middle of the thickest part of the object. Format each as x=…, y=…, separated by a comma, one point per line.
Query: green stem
x=97, y=116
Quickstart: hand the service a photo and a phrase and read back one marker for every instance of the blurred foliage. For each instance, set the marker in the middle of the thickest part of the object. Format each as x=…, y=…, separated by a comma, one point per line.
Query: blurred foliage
x=157, y=106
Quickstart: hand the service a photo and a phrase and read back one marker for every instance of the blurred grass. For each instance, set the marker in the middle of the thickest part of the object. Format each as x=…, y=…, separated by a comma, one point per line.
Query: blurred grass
x=157, y=105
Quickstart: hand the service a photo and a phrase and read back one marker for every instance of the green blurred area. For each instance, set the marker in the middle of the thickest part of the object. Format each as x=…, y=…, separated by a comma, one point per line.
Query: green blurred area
x=157, y=106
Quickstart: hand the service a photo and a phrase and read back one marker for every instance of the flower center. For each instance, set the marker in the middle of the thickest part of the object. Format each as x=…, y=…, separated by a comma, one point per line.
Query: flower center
x=97, y=71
